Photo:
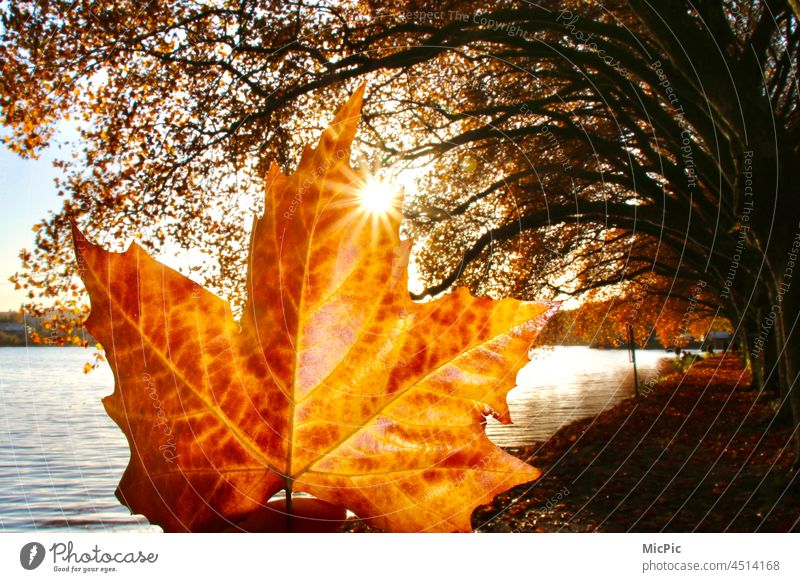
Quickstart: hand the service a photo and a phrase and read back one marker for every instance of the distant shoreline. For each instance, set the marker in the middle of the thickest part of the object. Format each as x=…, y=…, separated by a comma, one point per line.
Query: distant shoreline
x=32, y=345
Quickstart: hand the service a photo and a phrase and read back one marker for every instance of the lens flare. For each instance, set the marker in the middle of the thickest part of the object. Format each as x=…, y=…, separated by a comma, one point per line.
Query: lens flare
x=377, y=197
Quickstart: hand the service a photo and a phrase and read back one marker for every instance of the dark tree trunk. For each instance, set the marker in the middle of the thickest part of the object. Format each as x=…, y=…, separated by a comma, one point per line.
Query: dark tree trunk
x=788, y=340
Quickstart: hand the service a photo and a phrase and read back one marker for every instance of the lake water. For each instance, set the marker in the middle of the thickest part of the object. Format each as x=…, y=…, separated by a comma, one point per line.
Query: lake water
x=61, y=456
x=566, y=383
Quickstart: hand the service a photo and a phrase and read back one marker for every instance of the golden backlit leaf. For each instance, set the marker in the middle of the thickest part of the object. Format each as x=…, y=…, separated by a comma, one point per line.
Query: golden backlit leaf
x=334, y=383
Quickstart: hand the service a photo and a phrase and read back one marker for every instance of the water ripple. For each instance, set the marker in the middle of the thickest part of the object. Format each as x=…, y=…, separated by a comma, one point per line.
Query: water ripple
x=61, y=456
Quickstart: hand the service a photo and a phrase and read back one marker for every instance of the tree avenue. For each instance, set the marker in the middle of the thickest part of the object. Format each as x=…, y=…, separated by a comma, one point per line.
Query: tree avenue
x=613, y=150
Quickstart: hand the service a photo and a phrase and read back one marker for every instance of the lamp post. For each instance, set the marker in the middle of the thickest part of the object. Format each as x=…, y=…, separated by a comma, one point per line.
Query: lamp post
x=632, y=358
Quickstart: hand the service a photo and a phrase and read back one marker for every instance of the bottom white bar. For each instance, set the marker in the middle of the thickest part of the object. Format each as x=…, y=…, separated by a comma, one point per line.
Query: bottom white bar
x=375, y=557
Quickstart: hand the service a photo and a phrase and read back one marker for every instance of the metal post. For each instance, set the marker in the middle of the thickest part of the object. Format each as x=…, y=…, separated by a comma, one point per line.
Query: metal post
x=632, y=357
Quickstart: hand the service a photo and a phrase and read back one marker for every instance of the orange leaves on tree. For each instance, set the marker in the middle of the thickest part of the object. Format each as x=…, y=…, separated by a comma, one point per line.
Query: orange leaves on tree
x=334, y=383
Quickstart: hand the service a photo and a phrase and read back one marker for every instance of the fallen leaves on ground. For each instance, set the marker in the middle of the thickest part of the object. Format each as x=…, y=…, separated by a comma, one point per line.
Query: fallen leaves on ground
x=701, y=452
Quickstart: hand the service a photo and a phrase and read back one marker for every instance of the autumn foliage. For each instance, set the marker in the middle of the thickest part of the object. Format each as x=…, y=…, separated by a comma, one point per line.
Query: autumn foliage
x=661, y=313
x=333, y=383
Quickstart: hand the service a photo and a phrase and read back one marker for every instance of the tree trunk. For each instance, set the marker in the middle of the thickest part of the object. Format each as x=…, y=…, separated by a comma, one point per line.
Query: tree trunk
x=755, y=357
x=788, y=342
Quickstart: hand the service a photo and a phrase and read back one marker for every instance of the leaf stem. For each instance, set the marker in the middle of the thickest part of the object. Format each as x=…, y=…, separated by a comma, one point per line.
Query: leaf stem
x=288, y=489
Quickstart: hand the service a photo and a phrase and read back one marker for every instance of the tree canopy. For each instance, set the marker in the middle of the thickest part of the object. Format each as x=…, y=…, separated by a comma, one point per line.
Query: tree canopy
x=550, y=149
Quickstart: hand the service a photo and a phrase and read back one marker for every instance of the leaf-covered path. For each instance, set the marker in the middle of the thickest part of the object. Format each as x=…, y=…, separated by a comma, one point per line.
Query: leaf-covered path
x=700, y=452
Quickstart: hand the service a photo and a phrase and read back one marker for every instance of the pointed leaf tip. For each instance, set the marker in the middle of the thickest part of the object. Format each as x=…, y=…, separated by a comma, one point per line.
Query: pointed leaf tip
x=352, y=109
x=340, y=133
x=79, y=240
x=76, y=232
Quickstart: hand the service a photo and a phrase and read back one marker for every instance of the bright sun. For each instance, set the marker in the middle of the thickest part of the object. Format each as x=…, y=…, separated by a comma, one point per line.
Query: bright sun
x=377, y=197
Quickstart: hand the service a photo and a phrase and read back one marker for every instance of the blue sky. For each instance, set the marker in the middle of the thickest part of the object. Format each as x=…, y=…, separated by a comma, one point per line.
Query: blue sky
x=27, y=193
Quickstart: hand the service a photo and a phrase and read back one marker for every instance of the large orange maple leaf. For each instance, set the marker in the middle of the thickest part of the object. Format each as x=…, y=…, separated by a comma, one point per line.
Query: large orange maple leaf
x=334, y=383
